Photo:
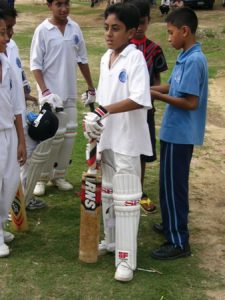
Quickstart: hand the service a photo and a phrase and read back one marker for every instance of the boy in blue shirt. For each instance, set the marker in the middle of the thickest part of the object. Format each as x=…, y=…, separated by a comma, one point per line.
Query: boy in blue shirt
x=156, y=64
x=183, y=126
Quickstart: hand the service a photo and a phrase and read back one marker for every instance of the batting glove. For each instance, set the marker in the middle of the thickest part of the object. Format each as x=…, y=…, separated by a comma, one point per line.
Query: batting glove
x=54, y=100
x=88, y=97
x=92, y=125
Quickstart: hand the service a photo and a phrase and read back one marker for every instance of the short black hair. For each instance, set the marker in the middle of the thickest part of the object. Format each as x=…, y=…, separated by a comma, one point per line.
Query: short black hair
x=126, y=13
x=7, y=10
x=183, y=16
x=142, y=5
x=1, y=15
x=50, y=1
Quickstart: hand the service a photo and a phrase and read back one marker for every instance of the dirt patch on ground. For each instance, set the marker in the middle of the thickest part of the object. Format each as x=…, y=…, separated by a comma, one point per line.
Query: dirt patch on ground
x=207, y=188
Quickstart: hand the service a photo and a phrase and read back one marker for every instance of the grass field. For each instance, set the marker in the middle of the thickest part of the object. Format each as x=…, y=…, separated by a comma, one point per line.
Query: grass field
x=44, y=261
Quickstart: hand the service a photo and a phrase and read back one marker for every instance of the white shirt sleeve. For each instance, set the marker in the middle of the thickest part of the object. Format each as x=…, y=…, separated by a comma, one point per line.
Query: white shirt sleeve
x=37, y=51
x=82, y=51
x=18, y=108
x=139, y=87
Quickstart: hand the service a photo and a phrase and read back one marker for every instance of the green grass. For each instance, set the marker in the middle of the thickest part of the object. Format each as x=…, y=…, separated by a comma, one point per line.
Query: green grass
x=44, y=261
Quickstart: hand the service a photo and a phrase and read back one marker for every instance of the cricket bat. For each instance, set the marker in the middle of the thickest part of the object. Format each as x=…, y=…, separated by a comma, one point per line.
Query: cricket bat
x=18, y=211
x=90, y=209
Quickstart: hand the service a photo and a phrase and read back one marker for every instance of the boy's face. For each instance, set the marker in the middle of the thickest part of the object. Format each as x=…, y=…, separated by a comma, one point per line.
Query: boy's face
x=60, y=9
x=3, y=36
x=10, y=23
x=175, y=36
x=142, y=28
x=116, y=33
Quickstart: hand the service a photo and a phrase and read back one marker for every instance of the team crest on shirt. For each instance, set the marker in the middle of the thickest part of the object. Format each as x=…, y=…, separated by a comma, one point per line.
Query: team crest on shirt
x=76, y=39
x=18, y=62
x=123, y=76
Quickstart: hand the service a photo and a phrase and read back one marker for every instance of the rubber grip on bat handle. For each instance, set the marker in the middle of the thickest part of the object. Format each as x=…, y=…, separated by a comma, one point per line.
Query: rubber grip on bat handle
x=92, y=107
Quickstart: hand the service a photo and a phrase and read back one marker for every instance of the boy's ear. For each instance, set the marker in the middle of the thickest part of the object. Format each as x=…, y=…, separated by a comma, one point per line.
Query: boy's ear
x=131, y=33
x=186, y=31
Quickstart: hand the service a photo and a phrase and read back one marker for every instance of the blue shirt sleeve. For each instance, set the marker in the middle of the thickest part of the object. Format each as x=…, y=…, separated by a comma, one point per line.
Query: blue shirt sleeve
x=190, y=81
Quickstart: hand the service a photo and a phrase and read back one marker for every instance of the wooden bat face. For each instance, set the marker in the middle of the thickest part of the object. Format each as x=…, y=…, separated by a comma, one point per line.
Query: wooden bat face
x=18, y=211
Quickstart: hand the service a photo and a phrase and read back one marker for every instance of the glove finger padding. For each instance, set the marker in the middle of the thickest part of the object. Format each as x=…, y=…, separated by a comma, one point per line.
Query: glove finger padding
x=92, y=126
x=54, y=100
x=88, y=97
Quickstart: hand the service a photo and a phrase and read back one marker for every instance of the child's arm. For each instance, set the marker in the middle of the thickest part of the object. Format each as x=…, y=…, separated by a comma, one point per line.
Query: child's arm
x=157, y=79
x=21, y=151
x=29, y=97
x=122, y=106
x=27, y=89
x=85, y=71
x=38, y=75
x=189, y=102
x=164, y=89
x=92, y=121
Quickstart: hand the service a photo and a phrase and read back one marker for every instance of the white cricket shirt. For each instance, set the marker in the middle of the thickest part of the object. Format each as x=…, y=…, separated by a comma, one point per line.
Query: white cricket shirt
x=57, y=55
x=126, y=133
x=9, y=106
x=15, y=62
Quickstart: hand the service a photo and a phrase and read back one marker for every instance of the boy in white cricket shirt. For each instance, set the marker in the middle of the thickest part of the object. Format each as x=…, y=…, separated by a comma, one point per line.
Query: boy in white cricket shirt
x=23, y=93
x=12, y=150
x=121, y=127
x=56, y=50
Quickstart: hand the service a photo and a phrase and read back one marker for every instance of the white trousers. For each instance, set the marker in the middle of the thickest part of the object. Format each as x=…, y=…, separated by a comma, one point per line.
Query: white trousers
x=66, y=148
x=122, y=164
x=9, y=170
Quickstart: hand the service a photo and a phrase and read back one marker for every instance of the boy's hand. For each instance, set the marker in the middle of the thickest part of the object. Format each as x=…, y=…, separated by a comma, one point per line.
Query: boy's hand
x=88, y=97
x=155, y=94
x=92, y=125
x=31, y=98
x=54, y=100
x=21, y=154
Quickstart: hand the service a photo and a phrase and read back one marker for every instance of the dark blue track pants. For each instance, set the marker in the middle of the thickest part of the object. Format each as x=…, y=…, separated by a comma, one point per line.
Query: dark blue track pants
x=175, y=162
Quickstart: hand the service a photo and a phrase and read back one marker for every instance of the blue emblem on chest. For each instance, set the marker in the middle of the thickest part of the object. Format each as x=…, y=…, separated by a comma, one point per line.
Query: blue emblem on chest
x=123, y=76
x=76, y=39
x=18, y=62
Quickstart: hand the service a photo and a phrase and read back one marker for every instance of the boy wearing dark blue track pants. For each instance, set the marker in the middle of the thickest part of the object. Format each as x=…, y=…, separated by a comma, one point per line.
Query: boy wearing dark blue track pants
x=183, y=126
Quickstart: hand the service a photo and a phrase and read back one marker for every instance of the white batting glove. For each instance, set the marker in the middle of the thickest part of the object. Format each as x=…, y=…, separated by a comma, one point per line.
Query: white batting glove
x=54, y=100
x=92, y=125
x=88, y=97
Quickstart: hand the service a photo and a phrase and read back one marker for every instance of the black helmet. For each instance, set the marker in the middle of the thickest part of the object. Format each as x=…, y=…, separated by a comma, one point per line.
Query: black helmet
x=44, y=126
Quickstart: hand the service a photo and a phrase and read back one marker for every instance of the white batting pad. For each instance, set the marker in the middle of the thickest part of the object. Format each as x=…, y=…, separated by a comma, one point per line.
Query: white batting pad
x=126, y=187
x=108, y=207
x=65, y=152
x=126, y=194
x=127, y=221
x=37, y=162
x=46, y=174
